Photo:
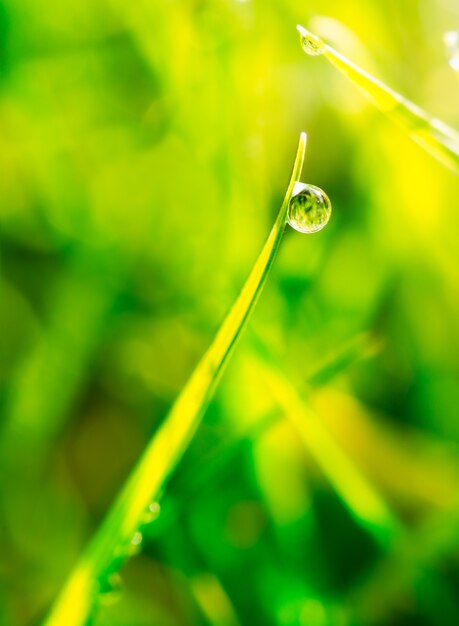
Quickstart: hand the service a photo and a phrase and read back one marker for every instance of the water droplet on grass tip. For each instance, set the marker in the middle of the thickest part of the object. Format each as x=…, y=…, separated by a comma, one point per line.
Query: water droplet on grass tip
x=309, y=208
x=310, y=43
x=451, y=40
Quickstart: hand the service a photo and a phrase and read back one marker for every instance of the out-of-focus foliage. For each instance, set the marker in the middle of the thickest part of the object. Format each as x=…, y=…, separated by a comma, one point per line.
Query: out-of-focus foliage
x=144, y=151
x=121, y=534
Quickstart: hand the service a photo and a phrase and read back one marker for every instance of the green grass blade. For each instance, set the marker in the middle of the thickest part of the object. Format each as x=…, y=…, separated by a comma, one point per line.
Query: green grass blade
x=362, y=499
x=210, y=472
x=111, y=545
x=432, y=134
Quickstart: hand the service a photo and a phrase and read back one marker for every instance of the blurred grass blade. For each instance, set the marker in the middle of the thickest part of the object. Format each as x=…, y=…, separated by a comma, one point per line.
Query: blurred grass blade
x=421, y=552
x=363, y=501
x=211, y=470
x=111, y=545
x=432, y=134
x=213, y=600
x=40, y=400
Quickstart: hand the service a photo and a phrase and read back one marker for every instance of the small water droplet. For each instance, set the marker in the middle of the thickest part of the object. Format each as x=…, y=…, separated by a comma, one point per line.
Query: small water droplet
x=310, y=43
x=134, y=545
x=127, y=549
x=136, y=539
x=110, y=589
x=151, y=514
x=309, y=208
x=451, y=40
x=155, y=508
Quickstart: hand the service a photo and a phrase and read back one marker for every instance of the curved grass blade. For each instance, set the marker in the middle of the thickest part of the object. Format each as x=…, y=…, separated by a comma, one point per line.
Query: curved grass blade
x=114, y=540
x=432, y=134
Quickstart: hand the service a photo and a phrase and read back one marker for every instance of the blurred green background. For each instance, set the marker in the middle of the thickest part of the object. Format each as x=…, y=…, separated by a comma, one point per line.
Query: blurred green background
x=145, y=148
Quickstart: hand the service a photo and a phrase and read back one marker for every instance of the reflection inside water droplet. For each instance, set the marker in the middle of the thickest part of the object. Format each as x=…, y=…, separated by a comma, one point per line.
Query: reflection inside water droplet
x=309, y=208
x=310, y=43
x=451, y=40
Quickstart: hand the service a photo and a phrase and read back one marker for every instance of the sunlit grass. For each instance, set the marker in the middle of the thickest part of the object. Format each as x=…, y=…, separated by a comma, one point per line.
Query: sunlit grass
x=432, y=134
x=144, y=149
x=120, y=531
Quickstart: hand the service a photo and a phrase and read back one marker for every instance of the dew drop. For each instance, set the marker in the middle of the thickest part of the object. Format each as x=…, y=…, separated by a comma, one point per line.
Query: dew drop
x=132, y=548
x=152, y=513
x=451, y=40
x=155, y=508
x=135, y=544
x=128, y=549
x=136, y=539
x=110, y=589
x=310, y=43
x=309, y=208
